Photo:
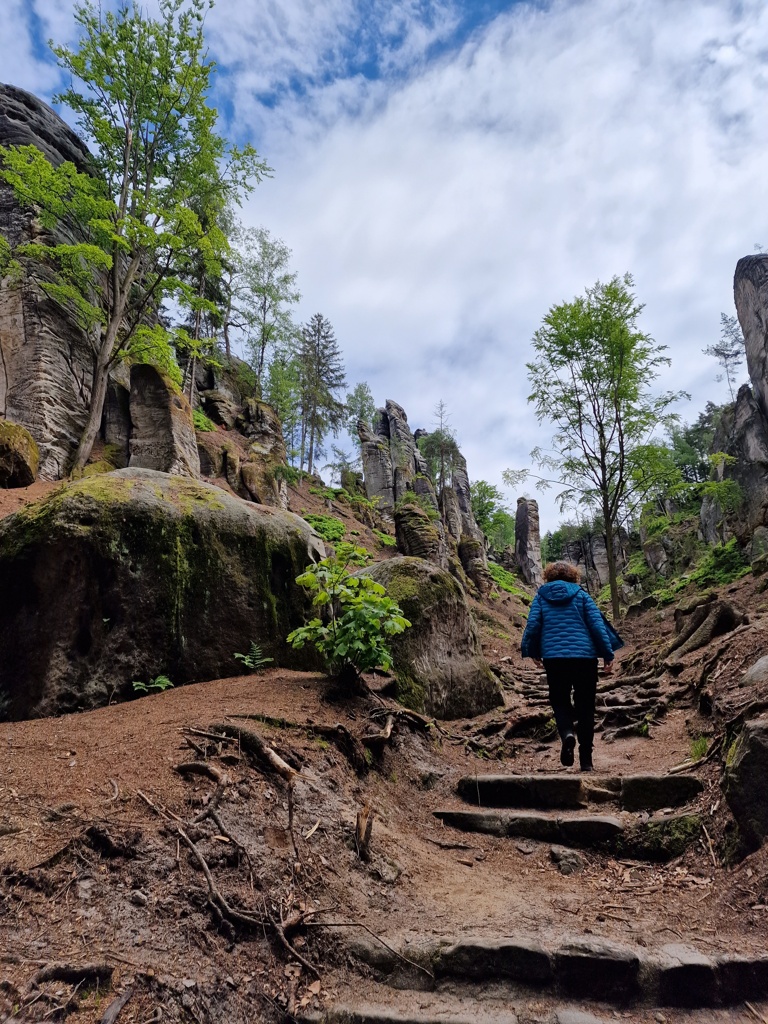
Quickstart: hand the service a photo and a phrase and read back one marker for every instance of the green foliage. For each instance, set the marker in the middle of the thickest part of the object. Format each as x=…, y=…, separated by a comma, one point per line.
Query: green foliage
x=507, y=581
x=359, y=406
x=492, y=515
x=729, y=351
x=321, y=377
x=156, y=685
x=424, y=502
x=385, y=538
x=290, y=474
x=699, y=747
x=591, y=376
x=255, y=659
x=329, y=527
x=360, y=618
x=160, y=165
x=202, y=422
x=722, y=565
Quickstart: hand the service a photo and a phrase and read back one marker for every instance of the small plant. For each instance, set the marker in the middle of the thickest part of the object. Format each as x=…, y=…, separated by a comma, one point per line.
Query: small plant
x=699, y=748
x=507, y=582
x=255, y=659
x=202, y=422
x=360, y=618
x=156, y=685
x=290, y=474
x=386, y=539
x=329, y=527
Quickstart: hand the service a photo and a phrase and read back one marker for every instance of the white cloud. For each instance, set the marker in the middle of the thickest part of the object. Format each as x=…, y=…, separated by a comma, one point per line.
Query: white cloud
x=437, y=224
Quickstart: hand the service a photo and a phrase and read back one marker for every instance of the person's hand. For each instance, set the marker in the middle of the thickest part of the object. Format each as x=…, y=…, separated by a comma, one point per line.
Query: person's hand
x=608, y=667
x=538, y=663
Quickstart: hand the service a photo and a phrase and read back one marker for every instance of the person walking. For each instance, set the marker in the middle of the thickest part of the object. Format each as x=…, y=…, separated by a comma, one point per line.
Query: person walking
x=566, y=633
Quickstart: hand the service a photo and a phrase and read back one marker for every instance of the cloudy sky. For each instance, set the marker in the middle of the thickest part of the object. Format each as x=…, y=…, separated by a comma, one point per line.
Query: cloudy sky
x=446, y=171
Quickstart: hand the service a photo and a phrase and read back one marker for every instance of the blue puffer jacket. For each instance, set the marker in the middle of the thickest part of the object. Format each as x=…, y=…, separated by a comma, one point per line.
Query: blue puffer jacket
x=564, y=622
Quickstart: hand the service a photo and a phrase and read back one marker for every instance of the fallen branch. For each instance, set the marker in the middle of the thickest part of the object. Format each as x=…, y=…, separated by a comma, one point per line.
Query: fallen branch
x=253, y=744
x=112, y=1012
x=203, y=768
x=72, y=974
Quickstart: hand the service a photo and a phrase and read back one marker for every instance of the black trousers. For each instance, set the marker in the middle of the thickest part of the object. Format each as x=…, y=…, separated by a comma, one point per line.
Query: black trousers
x=580, y=676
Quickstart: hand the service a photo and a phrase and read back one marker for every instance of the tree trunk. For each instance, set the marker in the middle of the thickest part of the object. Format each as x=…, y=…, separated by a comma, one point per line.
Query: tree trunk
x=96, y=410
x=611, y=556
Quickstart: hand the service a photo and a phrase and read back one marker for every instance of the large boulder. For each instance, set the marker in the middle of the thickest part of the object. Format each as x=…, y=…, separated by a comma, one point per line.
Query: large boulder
x=19, y=456
x=130, y=574
x=744, y=784
x=438, y=663
x=163, y=433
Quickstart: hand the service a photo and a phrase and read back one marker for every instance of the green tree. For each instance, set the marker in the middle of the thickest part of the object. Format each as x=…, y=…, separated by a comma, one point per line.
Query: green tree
x=440, y=448
x=282, y=390
x=264, y=291
x=591, y=377
x=360, y=406
x=321, y=379
x=492, y=515
x=729, y=351
x=144, y=113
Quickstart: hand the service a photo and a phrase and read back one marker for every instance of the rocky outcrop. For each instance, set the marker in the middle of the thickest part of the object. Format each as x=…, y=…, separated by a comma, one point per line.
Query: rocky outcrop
x=251, y=458
x=46, y=359
x=393, y=468
x=19, y=457
x=750, y=294
x=744, y=784
x=438, y=664
x=743, y=428
x=528, y=541
x=134, y=573
x=162, y=431
x=392, y=462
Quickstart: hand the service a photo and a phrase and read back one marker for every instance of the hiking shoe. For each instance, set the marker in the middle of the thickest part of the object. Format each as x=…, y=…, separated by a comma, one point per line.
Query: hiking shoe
x=586, y=766
x=567, y=749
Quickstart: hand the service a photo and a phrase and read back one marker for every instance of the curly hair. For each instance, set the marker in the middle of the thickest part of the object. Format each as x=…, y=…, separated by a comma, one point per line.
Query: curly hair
x=566, y=571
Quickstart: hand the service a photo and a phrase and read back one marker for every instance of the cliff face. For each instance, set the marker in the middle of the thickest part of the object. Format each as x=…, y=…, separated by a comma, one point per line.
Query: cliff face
x=743, y=429
x=46, y=361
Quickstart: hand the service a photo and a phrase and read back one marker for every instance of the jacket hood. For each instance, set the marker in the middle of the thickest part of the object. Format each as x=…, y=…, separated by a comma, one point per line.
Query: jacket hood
x=559, y=592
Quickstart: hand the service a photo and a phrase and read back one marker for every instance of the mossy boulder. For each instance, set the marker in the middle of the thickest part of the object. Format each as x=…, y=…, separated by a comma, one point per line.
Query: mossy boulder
x=420, y=533
x=661, y=838
x=126, y=575
x=438, y=664
x=745, y=775
x=19, y=456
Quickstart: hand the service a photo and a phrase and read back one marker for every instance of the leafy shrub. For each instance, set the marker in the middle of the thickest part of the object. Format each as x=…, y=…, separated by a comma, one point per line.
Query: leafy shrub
x=507, y=581
x=290, y=474
x=423, y=502
x=385, y=538
x=255, y=658
x=723, y=564
x=156, y=685
x=329, y=527
x=202, y=422
x=360, y=618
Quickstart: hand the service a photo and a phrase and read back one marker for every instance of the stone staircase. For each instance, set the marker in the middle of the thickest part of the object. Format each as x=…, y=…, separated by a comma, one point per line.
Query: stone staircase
x=497, y=979
x=642, y=823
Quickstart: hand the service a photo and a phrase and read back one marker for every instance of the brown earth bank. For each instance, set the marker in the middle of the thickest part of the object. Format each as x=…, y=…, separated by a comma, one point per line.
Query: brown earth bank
x=156, y=850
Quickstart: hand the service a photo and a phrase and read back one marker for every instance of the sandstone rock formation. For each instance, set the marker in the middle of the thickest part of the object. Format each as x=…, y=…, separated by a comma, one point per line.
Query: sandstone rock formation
x=744, y=782
x=19, y=457
x=438, y=663
x=743, y=429
x=124, y=576
x=46, y=360
x=162, y=431
x=528, y=541
x=393, y=468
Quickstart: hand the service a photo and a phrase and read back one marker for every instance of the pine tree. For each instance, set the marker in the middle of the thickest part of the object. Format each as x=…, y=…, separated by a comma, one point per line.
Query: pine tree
x=321, y=378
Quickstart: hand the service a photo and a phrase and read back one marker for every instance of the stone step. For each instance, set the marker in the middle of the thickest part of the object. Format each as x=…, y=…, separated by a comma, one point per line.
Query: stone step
x=442, y=1011
x=564, y=792
x=588, y=969
x=660, y=838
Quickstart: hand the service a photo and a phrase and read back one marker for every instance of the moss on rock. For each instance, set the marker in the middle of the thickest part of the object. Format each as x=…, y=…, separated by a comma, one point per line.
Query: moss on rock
x=438, y=664
x=19, y=455
x=132, y=573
